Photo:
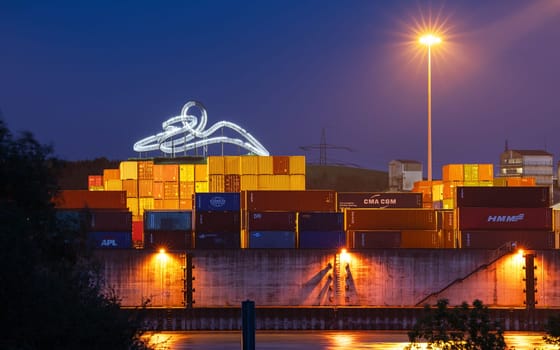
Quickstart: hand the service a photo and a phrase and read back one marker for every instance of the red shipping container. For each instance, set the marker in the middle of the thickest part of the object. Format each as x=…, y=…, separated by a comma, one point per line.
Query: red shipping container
x=78, y=199
x=109, y=220
x=95, y=180
x=315, y=200
x=272, y=221
x=280, y=165
x=445, y=219
x=232, y=183
x=137, y=231
x=390, y=219
x=505, y=218
x=503, y=197
x=216, y=221
x=495, y=239
x=449, y=239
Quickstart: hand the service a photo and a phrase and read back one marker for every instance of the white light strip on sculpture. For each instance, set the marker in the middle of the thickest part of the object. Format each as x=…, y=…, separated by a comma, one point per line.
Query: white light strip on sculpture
x=181, y=133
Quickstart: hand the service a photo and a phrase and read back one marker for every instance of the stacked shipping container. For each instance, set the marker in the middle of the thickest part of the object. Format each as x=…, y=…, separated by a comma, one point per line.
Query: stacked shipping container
x=490, y=217
x=217, y=222
x=170, y=230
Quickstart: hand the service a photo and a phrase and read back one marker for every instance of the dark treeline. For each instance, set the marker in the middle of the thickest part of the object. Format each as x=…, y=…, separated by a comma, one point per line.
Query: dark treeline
x=51, y=292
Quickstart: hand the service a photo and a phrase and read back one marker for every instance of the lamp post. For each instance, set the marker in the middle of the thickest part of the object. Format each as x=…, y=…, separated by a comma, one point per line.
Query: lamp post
x=429, y=40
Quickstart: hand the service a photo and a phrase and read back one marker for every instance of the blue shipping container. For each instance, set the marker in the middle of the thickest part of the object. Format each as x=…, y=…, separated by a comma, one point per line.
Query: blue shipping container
x=176, y=220
x=322, y=239
x=221, y=201
x=110, y=240
x=272, y=239
x=217, y=240
x=320, y=221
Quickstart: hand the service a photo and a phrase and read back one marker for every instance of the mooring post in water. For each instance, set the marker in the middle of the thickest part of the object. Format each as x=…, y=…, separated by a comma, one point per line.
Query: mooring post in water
x=248, y=318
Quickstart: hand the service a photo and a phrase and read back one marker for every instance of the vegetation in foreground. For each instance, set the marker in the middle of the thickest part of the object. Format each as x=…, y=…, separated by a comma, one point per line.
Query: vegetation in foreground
x=51, y=290
x=461, y=327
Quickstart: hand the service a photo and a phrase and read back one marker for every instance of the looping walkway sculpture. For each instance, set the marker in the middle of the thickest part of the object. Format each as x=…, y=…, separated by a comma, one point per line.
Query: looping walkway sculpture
x=185, y=132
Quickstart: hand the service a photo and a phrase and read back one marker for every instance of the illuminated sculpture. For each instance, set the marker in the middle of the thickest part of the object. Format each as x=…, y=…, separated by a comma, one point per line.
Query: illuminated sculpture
x=186, y=132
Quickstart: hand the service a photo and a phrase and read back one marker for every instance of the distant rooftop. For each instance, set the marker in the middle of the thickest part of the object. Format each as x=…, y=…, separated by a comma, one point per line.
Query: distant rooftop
x=528, y=152
x=407, y=161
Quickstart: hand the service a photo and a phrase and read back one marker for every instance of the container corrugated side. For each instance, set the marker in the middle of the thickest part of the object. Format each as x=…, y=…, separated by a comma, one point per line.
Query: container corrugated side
x=265, y=165
x=321, y=239
x=421, y=239
x=379, y=200
x=473, y=239
x=145, y=170
x=186, y=190
x=470, y=172
x=109, y=220
x=138, y=232
x=280, y=165
x=249, y=182
x=297, y=165
x=131, y=187
x=217, y=240
x=145, y=188
x=313, y=200
x=272, y=239
x=95, y=181
x=274, y=182
x=200, y=173
x=375, y=239
x=224, y=201
x=320, y=221
x=505, y=197
x=128, y=170
x=175, y=220
x=232, y=165
x=77, y=199
x=485, y=172
x=111, y=174
x=390, y=219
x=201, y=187
x=168, y=240
x=476, y=218
x=297, y=182
x=186, y=172
x=271, y=220
x=232, y=183
x=452, y=172
x=110, y=240
x=249, y=165
x=215, y=165
x=166, y=172
x=216, y=221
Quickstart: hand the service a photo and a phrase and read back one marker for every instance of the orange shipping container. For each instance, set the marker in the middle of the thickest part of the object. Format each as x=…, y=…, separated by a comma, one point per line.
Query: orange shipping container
x=145, y=188
x=280, y=165
x=200, y=172
x=485, y=172
x=215, y=165
x=452, y=172
x=78, y=199
x=186, y=190
x=185, y=204
x=216, y=183
x=158, y=189
x=111, y=174
x=170, y=190
x=297, y=165
x=249, y=165
x=146, y=170
x=232, y=183
x=166, y=172
x=131, y=187
x=390, y=219
x=171, y=204
x=265, y=165
x=113, y=185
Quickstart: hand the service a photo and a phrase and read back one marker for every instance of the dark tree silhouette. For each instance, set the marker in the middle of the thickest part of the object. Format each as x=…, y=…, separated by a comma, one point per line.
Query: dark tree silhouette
x=52, y=295
x=462, y=327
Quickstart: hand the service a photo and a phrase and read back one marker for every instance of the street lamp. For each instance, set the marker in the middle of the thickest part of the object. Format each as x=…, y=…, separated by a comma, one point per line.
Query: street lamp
x=429, y=40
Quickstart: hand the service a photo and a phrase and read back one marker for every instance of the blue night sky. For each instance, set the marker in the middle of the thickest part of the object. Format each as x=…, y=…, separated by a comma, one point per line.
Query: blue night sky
x=93, y=77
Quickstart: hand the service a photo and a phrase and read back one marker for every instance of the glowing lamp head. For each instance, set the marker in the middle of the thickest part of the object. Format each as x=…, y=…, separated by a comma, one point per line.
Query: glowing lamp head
x=430, y=39
x=161, y=250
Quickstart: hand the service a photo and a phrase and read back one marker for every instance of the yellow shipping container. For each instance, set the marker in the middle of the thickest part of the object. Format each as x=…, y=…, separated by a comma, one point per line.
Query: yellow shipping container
x=186, y=190
x=131, y=187
x=216, y=183
x=129, y=170
x=249, y=165
x=449, y=203
x=500, y=181
x=449, y=188
x=452, y=172
x=201, y=172
x=145, y=204
x=470, y=172
x=232, y=165
x=186, y=172
x=485, y=172
x=96, y=188
x=132, y=205
x=274, y=182
x=111, y=174
x=113, y=185
x=297, y=165
x=216, y=165
x=437, y=191
x=249, y=182
x=266, y=166
x=297, y=182
x=201, y=186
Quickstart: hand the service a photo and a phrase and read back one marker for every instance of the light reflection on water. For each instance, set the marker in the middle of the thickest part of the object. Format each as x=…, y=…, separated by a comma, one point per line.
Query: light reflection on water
x=315, y=340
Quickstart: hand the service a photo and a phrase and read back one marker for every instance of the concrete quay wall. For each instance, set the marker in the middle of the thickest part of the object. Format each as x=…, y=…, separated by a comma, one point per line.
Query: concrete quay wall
x=388, y=278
